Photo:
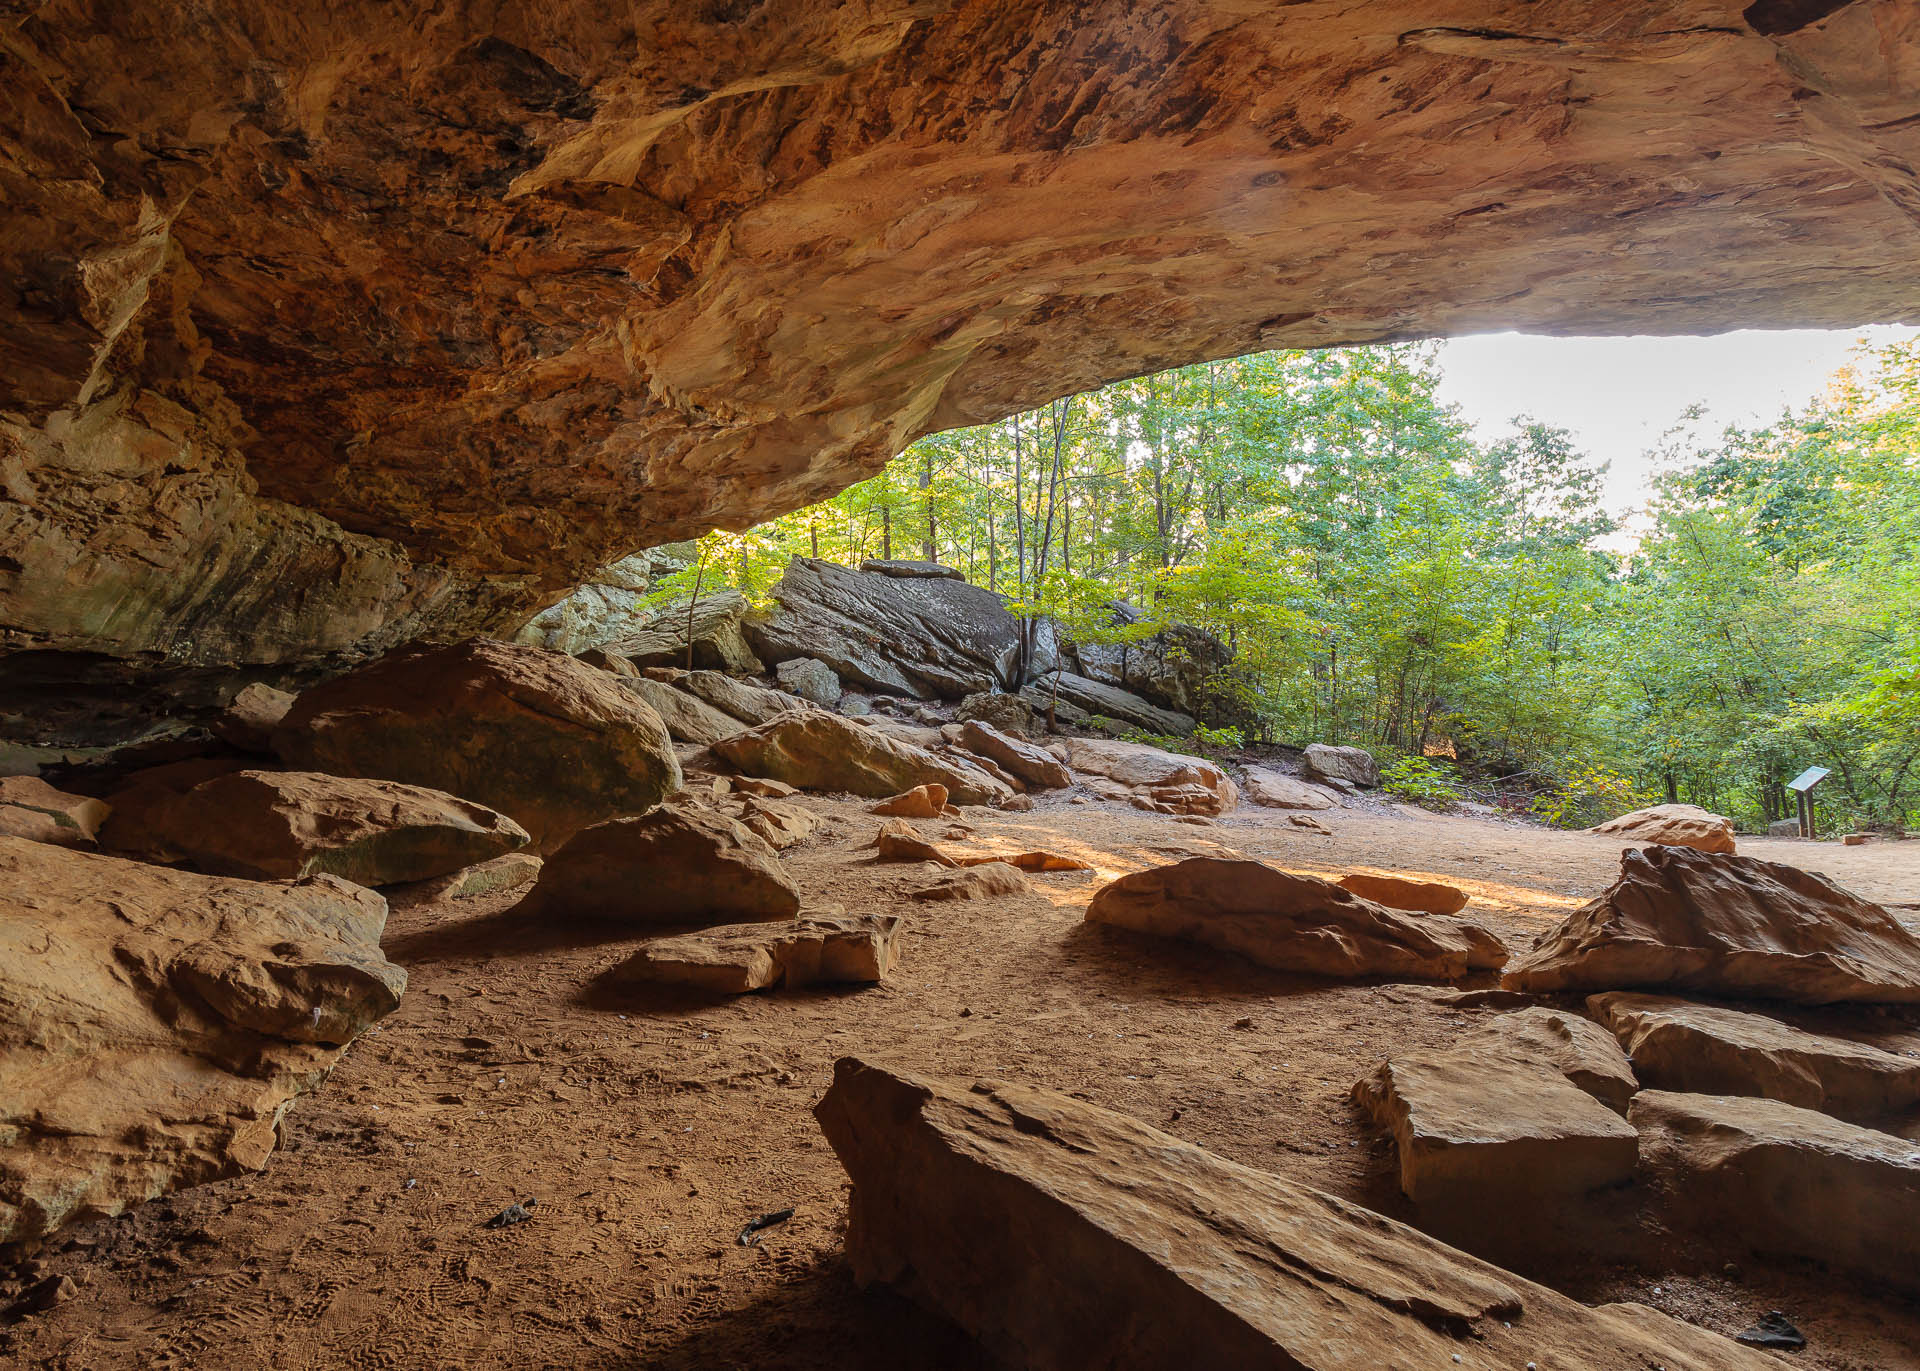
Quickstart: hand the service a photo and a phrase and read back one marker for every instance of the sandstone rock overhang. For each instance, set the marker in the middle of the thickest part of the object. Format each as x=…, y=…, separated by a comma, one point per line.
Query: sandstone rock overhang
x=331, y=326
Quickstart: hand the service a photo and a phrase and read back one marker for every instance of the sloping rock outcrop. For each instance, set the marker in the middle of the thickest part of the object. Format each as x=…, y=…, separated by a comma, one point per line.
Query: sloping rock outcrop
x=713, y=622
x=1155, y=776
x=1715, y=1050
x=278, y=825
x=1728, y=926
x=1177, y=669
x=820, y=751
x=1674, y=826
x=733, y=960
x=1291, y=922
x=550, y=742
x=1063, y=1236
x=689, y=719
x=601, y=607
x=1784, y=1180
x=1077, y=700
x=682, y=863
x=749, y=703
x=157, y=1023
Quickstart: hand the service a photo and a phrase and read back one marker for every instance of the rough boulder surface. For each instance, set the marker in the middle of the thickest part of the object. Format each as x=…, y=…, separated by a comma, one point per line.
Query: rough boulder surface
x=820, y=751
x=276, y=825
x=712, y=623
x=1401, y=892
x=30, y=808
x=681, y=864
x=1716, y=1050
x=1156, y=777
x=1277, y=790
x=689, y=719
x=1674, y=826
x=1352, y=766
x=157, y=1023
x=1291, y=922
x=1033, y=766
x=1729, y=926
x=1063, y=1236
x=546, y=740
x=817, y=950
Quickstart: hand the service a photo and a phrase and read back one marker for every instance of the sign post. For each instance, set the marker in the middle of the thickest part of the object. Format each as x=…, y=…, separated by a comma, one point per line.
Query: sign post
x=1802, y=788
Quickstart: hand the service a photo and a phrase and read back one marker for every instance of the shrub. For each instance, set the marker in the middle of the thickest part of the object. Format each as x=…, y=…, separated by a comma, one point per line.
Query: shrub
x=1428, y=783
x=1587, y=797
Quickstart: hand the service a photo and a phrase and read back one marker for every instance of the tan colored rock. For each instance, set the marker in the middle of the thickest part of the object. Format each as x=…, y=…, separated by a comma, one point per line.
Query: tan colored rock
x=544, y=739
x=1783, y=1180
x=1291, y=922
x=1730, y=926
x=921, y=802
x=1062, y=1236
x=38, y=812
x=820, y=751
x=1352, y=766
x=251, y=718
x=1033, y=765
x=1673, y=826
x=761, y=786
x=817, y=950
x=1712, y=1050
x=1401, y=892
x=609, y=661
x=780, y=822
x=974, y=762
x=159, y=1023
x=278, y=825
x=1277, y=790
x=680, y=864
x=985, y=881
x=1160, y=777
x=749, y=703
x=508, y=872
x=899, y=841
x=1578, y=1048
x=1036, y=859
x=688, y=718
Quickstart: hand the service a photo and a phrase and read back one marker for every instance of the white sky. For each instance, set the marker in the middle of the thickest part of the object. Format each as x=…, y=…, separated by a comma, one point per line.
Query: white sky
x=1619, y=395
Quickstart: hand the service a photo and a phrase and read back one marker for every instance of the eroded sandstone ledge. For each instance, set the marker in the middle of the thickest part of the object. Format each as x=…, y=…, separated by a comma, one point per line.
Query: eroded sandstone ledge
x=330, y=326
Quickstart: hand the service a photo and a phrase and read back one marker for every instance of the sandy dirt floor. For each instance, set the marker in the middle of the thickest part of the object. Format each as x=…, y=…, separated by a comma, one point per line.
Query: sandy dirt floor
x=651, y=1126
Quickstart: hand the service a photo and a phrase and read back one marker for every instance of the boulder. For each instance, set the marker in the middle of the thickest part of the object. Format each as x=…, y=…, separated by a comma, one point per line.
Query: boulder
x=1784, y=828
x=983, y=882
x=1291, y=922
x=1400, y=892
x=1778, y=1179
x=1713, y=1050
x=732, y=960
x=278, y=825
x=659, y=637
x=1009, y=713
x=925, y=637
x=508, y=872
x=688, y=718
x=761, y=786
x=1097, y=698
x=909, y=570
x=898, y=841
x=1673, y=826
x=1062, y=1236
x=1492, y=1132
x=1730, y=926
x=917, y=735
x=604, y=660
x=251, y=717
x=1050, y=709
x=749, y=703
x=602, y=608
x=1277, y=790
x=810, y=679
x=158, y=1023
x=36, y=811
x=547, y=741
x=1178, y=668
x=1033, y=765
x=1353, y=765
x=820, y=751
x=681, y=864
x=855, y=706
x=782, y=824
x=1151, y=773
x=1584, y=1052
x=921, y=802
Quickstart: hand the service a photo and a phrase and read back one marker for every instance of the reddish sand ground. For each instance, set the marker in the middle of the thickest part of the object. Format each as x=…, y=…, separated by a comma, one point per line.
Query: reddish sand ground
x=650, y=1127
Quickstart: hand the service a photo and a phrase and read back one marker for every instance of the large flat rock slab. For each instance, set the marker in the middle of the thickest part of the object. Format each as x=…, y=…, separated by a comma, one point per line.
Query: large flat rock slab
x=815, y=750
x=157, y=1023
x=1702, y=1049
x=1064, y=1236
x=1291, y=922
x=1727, y=926
x=1786, y=1180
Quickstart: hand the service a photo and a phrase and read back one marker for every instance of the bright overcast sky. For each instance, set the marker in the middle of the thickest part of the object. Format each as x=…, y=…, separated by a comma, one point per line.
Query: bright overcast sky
x=1618, y=395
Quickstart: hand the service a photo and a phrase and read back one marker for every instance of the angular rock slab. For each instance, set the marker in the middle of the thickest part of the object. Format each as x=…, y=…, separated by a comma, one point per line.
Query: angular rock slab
x=1399, y=892
x=157, y=1023
x=1033, y=765
x=1729, y=926
x=1151, y=772
x=32, y=809
x=1786, y=1180
x=689, y=719
x=1353, y=765
x=820, y=751
x=921, y=802
x=1713, y=1050
x=732, y=960
x=1063, y=1236
x=1291, y=922
x=544, y=739
x=661, y=637
x=1276, y=790
x=1674, y=826
x=279, y=825
x=985, y=881
x=681, y=864
x=749, y=703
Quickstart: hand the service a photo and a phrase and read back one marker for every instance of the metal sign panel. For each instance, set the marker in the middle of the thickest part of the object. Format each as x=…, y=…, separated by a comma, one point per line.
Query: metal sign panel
x=1807, y=780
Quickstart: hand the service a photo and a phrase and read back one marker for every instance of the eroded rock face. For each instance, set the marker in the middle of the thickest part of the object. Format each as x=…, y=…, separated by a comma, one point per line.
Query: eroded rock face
x=332, y=327
x=1063, y=1236
x=157, y=1024
x=1729, y=926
